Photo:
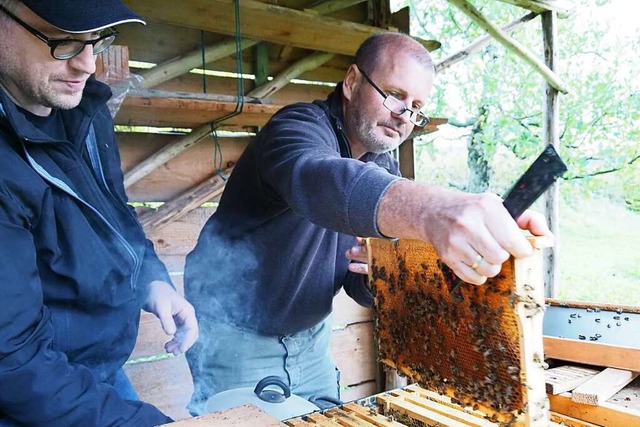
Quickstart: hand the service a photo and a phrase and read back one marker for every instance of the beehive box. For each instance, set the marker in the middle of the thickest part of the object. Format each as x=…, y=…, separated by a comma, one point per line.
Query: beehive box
x=479, y=345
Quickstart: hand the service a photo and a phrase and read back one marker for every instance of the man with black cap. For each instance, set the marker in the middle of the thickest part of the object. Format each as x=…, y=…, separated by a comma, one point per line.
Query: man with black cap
x=75, y=266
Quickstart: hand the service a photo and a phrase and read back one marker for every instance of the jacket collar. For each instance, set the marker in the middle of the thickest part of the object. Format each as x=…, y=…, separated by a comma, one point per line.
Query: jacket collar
x=334, y=102
x=95, y=94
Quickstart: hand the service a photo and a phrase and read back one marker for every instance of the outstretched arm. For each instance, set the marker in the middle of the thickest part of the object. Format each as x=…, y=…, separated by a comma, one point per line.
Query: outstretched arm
x=473, y=233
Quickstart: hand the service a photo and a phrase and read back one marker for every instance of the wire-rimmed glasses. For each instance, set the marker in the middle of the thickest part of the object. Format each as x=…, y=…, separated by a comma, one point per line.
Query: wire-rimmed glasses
x=397, y=106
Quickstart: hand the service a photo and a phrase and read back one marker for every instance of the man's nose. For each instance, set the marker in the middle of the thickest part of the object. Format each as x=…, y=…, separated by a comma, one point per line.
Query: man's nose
x=85, y=61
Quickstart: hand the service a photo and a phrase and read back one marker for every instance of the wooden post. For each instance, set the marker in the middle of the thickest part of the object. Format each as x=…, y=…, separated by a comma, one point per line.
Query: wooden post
x=551, y=136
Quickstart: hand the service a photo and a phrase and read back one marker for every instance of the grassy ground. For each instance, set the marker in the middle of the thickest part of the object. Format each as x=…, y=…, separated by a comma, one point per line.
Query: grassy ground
x=599, y=252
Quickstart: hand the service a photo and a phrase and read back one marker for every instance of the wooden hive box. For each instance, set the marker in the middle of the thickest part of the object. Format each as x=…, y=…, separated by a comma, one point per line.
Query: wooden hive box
x=479, y=345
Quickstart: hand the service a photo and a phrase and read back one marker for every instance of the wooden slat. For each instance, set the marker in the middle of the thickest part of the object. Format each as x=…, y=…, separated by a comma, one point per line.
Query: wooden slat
x=240, y=416
x=566, y=378
x=454, y=413
x=345, y=418
x=372, y=416
x=605, y=414
x=592, y=353
x=303, y=29
x=602, y=386
x=188, y=113
x=416, y=412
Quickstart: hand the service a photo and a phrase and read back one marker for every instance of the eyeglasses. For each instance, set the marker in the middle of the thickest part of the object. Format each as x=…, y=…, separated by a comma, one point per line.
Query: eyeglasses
x=67, y=48
x=396, y=106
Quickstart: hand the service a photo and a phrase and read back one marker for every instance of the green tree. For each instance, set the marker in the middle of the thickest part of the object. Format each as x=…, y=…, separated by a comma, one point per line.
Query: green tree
x=497, y=98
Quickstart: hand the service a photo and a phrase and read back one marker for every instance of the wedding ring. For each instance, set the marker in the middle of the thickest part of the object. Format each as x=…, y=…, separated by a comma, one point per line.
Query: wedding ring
x=477, y=262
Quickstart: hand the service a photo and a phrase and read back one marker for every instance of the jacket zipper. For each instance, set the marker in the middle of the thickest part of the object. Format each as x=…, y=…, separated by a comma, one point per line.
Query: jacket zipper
x=64, y=187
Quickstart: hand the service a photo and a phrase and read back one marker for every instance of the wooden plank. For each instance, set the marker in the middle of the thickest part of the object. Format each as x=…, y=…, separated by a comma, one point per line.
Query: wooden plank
x=165, y=383
x=602, y=386
x=565, y=420
x=605, y=414
x=566, y=378
x=307, y=30
x=358, y=391
x=184, y=171
x=179, y=237
x=346, y=311
x=189, y=113
x=240, y=416
x=228, y=86
x=353, y=352
x=592, y=353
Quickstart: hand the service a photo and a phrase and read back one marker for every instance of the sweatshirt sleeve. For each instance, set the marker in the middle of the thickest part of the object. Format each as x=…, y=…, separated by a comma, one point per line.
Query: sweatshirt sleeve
x=300, y=160
x=39, y=385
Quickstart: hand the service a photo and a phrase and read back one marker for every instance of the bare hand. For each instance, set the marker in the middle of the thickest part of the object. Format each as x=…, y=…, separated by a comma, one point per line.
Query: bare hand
x=473, y=233
x=358, y=253
x=176, y=315
x=477, y=235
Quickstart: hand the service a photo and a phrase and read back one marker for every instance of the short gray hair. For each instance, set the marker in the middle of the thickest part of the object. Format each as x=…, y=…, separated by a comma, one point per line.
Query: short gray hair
x=370, y=51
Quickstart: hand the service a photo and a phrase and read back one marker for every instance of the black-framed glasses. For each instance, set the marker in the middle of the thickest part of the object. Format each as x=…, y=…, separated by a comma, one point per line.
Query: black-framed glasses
x=66, y=48
x=397, y=106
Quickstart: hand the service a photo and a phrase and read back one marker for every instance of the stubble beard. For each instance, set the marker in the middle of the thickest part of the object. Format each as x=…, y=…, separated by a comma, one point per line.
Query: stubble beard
x=366, y=132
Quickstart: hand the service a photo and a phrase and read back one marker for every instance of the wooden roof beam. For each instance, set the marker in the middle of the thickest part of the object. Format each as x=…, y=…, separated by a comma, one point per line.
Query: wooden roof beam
x=480, y=44
x=308, y=30
x=186, y=202
x=310, y=62
x=183, y=64
x=513, y=45
x=562, y=7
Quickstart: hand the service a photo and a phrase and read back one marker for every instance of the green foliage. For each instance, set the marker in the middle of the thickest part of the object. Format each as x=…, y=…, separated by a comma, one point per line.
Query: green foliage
x=599, y=118
x=599, y=129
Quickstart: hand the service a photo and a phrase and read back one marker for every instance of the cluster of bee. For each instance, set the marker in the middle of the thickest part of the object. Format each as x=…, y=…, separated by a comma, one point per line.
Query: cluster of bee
x=467, y=349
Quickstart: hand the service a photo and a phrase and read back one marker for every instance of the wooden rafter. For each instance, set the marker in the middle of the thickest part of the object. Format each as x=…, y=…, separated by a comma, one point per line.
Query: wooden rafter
x=480, y=44
x=562, y=7
x=178, y=66
x=312, y=61
x=185, y=202
x=308, y=30
x=513, y=45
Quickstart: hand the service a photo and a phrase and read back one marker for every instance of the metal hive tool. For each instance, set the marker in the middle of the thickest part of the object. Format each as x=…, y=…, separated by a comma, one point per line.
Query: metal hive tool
x=479, y=345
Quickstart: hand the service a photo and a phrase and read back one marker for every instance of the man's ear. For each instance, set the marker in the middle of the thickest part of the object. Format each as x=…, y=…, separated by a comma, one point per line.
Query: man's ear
x=350, y=82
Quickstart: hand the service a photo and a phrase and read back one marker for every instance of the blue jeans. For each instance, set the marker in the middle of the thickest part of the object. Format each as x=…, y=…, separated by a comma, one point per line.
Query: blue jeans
x=121, y=383
x=227, y=357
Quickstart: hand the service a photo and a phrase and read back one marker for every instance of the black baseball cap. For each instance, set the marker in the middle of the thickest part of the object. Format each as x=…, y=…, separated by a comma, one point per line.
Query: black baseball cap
x=82, y=16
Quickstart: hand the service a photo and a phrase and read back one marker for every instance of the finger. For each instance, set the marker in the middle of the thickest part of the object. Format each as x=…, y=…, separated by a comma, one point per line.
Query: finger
x=534, y=222
x=166, y=320
x=357, y=253
x=359, y=268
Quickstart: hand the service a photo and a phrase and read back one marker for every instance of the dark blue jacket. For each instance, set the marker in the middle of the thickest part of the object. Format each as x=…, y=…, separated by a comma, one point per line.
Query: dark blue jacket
x=272, y=256
x=74, y=268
